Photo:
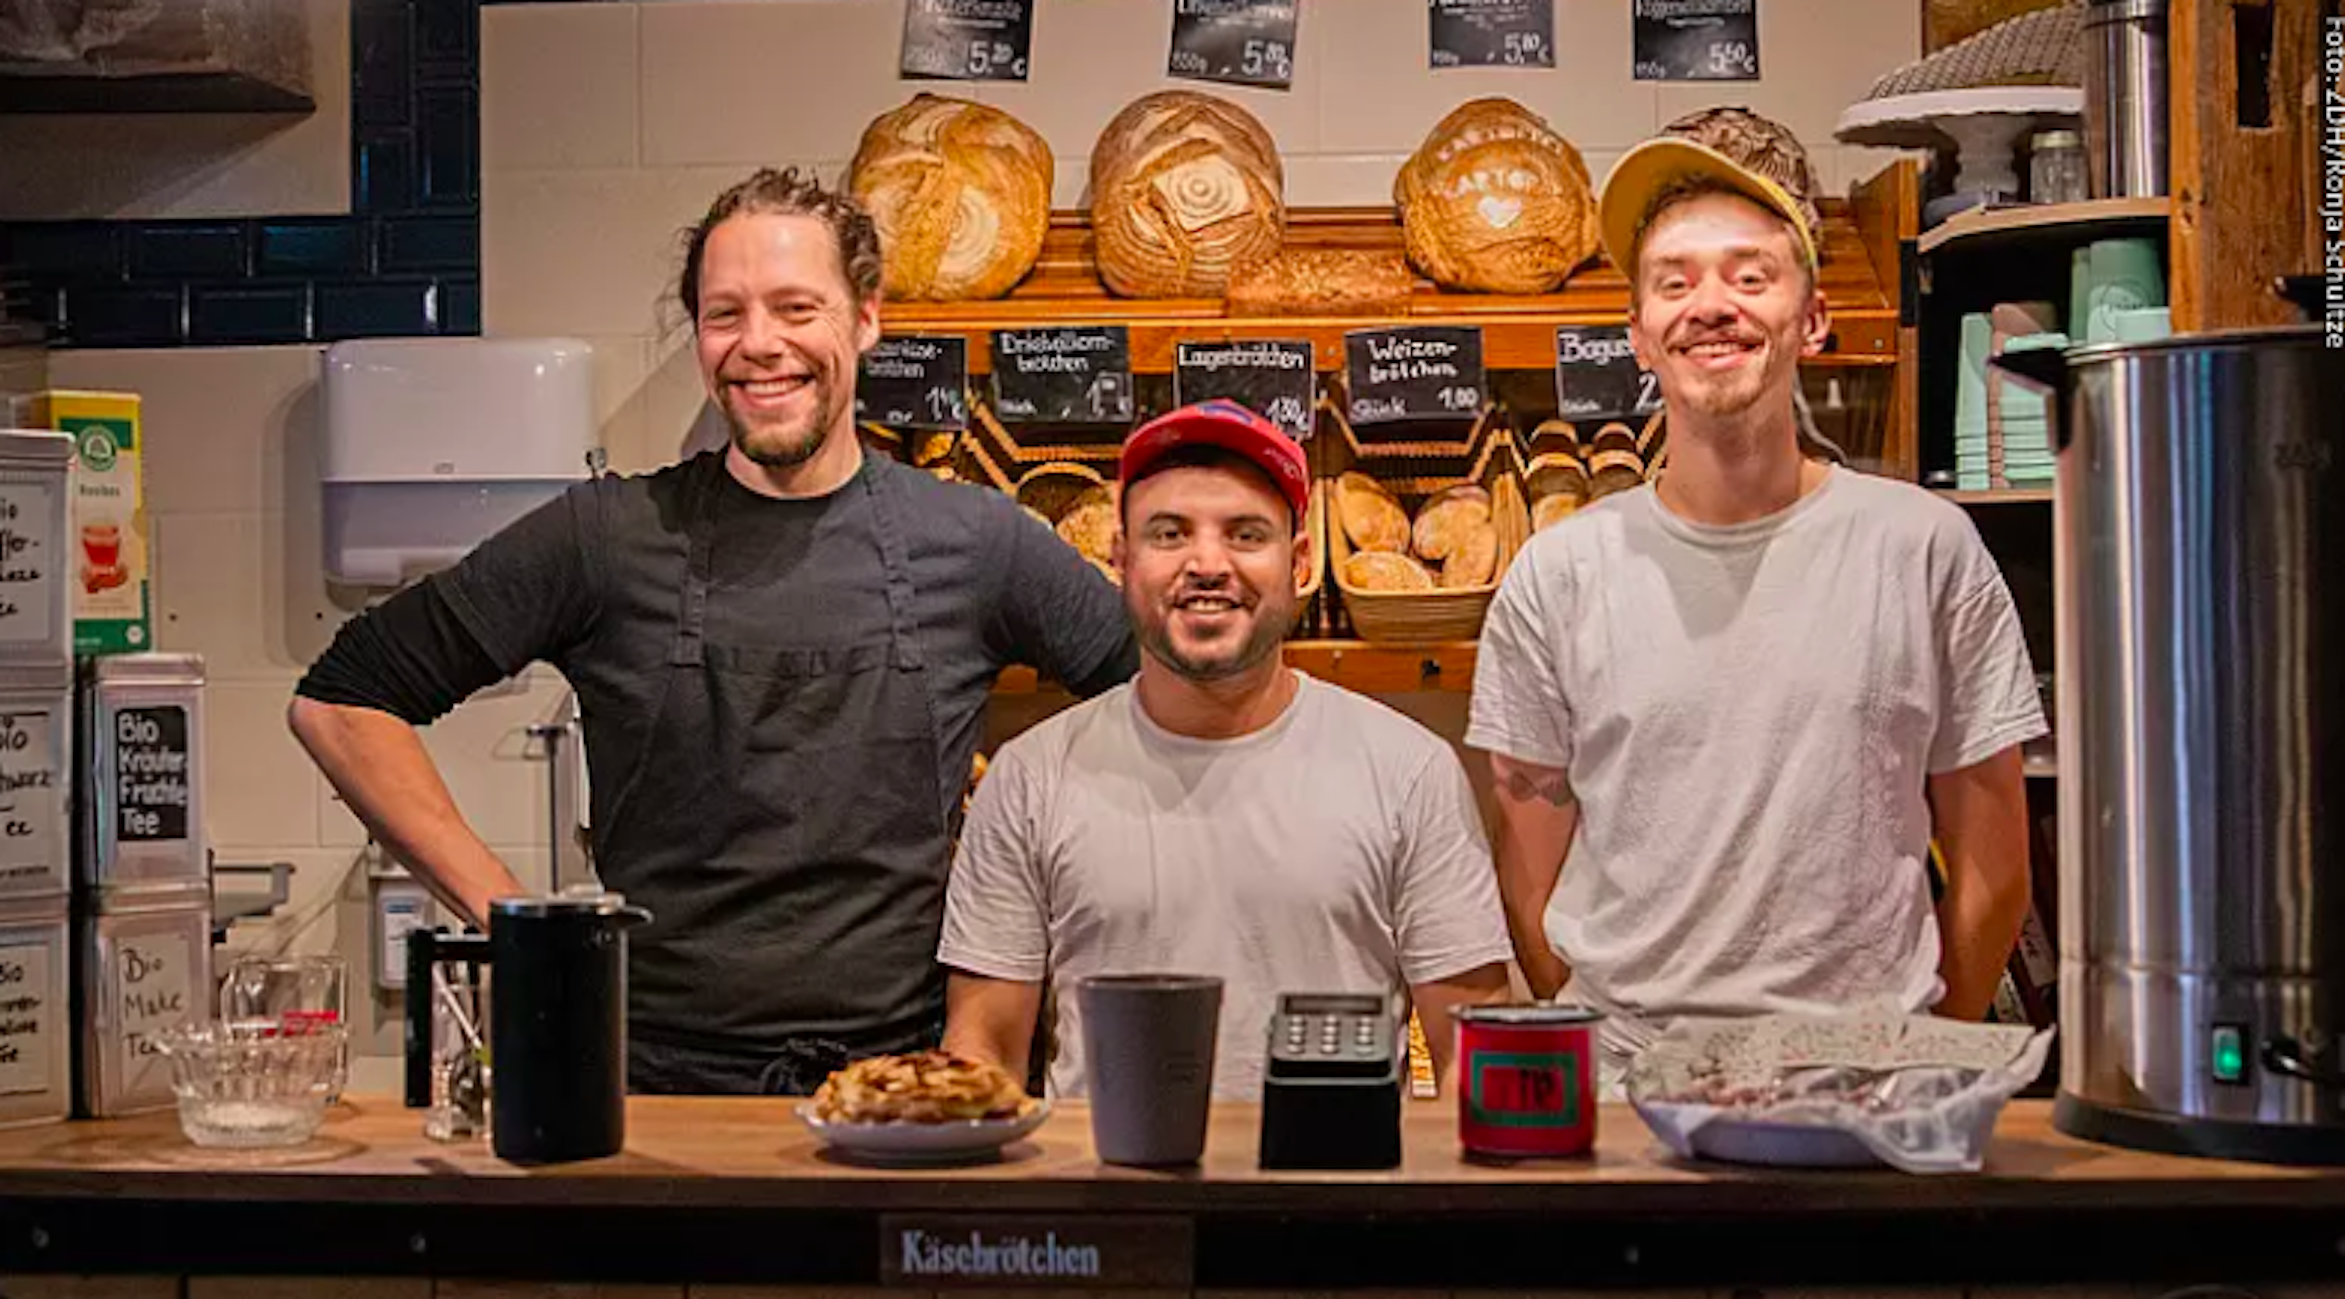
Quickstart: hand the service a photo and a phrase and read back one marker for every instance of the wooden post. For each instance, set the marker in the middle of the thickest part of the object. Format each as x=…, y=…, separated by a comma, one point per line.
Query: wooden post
x=1888, y=209
x=2245, y=192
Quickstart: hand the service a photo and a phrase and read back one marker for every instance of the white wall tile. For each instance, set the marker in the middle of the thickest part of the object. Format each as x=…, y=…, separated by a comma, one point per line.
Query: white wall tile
x=190, y=164
x=218, y=422
x=1342, y=180
x=260, y=785
x=1092, y=57
x=210, y=596
x=558, y=87
x=1381, y=97
x=622, y=366
x=748, y=85
x=678, y=418
x=592, y=253
x=1816, y=57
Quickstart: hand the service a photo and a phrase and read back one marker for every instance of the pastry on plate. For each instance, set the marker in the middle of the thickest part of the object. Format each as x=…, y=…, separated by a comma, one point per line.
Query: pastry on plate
x=923, y=1087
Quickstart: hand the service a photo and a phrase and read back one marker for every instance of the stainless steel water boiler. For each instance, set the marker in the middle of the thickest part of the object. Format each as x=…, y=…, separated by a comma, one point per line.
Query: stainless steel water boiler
x=2200, y=562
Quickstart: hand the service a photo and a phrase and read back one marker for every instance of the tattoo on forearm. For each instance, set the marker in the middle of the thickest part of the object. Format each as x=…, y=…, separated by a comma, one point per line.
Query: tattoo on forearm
x=1550, y=787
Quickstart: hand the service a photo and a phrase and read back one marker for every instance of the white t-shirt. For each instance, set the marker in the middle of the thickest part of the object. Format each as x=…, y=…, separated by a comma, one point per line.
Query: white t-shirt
x=1748, y=715
x=1336, y=850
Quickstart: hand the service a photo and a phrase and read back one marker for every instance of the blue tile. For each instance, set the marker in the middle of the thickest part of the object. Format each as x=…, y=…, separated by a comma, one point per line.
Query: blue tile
x=382, y=65
x=123, y=317
x=179, y=248
x=374, y=309
x=383, y=175
x=248, y=313
x=429, y=243
x=447, y=146
x=460, y=307
x=323, y=246
x=63, y=250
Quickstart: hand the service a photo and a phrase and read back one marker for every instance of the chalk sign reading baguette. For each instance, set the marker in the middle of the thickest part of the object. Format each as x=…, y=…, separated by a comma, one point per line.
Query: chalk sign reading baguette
x=1080, y=374
x=910, y=381
x=1238, y=42
x=967, y=40
x=1696, y=40
x=1597, y=376
x=1271, y=377
x=1493, y=34
x=1420, y=372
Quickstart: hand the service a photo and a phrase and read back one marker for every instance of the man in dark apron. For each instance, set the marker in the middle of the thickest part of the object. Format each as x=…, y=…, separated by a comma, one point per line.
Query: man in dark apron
x=782, y=653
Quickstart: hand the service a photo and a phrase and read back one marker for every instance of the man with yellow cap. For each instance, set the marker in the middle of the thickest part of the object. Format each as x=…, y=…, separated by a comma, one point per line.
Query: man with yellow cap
x=1727, y=712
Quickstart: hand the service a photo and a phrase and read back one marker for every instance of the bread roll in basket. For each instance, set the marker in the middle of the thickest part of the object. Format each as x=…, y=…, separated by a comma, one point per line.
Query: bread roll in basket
x=1495, y=201
x=961, y=194
x=1185, y=188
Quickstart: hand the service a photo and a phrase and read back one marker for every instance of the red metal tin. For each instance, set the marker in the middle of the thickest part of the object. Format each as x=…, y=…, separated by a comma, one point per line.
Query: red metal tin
x=1526, y=1080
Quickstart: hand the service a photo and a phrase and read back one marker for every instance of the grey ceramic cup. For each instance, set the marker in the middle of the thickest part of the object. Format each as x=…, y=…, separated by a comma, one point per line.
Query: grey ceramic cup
x=1148, y=1052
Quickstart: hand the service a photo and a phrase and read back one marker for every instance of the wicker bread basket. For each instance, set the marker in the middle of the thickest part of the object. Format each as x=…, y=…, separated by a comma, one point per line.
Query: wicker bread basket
x=1423, y=617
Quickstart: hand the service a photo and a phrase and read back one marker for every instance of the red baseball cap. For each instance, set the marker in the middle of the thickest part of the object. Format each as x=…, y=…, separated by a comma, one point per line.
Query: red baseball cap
x=1226, y=424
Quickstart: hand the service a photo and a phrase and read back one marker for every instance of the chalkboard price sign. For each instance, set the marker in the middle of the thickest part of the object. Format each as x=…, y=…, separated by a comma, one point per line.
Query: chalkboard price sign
x=1422, y=372
x=151, y=774
x=1240, y=42
x=1697, y=40
x=1597, y=376
x=967, y=40
x=1080, y=375
x=1271, y=377
x=1493, y=33
x=910, y=381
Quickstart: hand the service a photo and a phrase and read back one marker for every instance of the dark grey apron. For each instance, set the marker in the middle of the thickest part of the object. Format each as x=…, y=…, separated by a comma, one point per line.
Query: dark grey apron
x=770, y=770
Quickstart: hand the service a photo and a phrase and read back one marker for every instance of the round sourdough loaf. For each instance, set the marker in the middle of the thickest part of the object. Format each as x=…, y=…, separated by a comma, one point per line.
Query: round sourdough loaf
x=1185, y=189
x=961, y=194
x=1496, y=201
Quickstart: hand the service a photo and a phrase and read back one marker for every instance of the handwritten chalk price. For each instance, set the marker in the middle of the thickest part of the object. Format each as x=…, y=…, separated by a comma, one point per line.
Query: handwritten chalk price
x=1524, y=48
x=1732, y=59
x=1460, y=399
x=1286, y=412
x=1188, y=63
x=989, y=58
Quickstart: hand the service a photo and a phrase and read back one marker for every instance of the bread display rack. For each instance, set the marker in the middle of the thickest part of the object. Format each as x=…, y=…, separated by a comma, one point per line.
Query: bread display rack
x=1868, y=260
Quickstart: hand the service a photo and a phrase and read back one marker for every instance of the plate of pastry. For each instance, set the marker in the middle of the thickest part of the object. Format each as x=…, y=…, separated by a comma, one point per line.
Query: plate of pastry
x=928, y=1106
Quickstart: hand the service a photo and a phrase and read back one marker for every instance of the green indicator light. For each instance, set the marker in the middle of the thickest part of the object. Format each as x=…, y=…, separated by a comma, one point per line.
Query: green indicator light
x=2230, y=1055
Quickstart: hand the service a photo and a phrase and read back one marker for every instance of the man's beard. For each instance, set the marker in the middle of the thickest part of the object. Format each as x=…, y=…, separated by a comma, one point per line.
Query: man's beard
x=1271, y=619
x=784, y=446
x=1727, y=396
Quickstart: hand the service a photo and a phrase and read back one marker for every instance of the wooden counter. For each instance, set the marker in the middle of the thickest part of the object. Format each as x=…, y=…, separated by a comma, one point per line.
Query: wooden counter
x=737, y=1190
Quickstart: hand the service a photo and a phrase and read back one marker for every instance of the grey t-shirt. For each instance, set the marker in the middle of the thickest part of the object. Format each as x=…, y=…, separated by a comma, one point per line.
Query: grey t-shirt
x=1336, y=850
x=590, y=583
x=1749, y=715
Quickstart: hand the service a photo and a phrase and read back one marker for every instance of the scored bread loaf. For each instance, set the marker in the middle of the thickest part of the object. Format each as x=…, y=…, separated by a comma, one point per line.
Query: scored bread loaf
x=1383, y=570
x=1474, y=560
x=1448, y=519
x=960, y=192
x=1185, y=189
x=1372, y=517
x=1323, y=281
x=1494, y=200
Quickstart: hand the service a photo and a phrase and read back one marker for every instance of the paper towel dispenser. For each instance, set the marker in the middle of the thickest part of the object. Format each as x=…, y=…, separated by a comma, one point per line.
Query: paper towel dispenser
x=433, y=444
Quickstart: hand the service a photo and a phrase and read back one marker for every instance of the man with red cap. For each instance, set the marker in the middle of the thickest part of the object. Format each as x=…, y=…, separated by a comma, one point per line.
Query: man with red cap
x=1222, y=814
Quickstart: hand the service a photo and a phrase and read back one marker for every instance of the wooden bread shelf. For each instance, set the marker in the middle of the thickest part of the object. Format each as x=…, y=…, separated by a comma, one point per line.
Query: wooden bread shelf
x=2096, y=218
x=1999, y=496
x=1518, y=331
x=1353, y=664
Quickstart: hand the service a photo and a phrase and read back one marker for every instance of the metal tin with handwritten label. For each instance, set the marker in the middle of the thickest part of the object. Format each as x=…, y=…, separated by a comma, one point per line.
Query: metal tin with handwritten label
x=36, y=782
x=1527, y=1080
x=36, y=1000
x=36, y=566
x=146, y=968
x=143, y=750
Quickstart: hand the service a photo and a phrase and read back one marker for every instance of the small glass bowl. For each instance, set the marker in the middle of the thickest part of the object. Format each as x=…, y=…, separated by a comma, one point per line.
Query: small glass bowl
x=252, y=1083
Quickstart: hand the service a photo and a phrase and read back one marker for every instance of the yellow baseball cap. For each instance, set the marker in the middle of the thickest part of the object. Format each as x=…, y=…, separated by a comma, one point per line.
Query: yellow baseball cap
x=1663, y=162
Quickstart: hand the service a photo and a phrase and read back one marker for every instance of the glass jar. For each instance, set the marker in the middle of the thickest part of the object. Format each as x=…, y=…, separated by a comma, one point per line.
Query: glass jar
x=2056, y=168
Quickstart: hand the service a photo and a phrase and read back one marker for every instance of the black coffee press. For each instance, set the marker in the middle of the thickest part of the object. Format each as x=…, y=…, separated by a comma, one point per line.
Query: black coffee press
x=557, y=1023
